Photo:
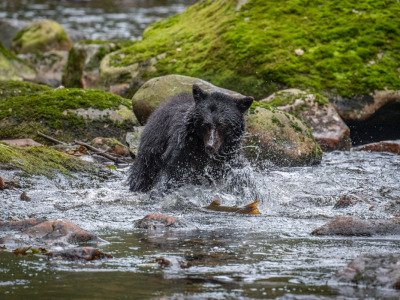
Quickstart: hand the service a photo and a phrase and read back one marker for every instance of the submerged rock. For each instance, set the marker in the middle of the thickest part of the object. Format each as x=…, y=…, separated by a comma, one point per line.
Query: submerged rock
x=85, y=253
x=41, y=36
x=279, y=137
x=158, y=222
x=382, y=270
x=314, y=110
x=46, y=233
x=384, y=146
x=353, y=226
x=157, y=90
x=65, y=114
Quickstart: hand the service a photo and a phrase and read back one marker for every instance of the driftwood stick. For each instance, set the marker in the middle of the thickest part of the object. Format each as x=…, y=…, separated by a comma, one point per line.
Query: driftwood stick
x=100, y=152
x=50, y=138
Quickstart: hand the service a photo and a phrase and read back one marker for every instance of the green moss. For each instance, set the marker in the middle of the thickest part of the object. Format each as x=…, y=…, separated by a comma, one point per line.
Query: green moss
x=12, y=68
x=41, y=160
x=73, y=69
x=10, y=88
x=350, y=48
x=22, y=116
x=42, y=35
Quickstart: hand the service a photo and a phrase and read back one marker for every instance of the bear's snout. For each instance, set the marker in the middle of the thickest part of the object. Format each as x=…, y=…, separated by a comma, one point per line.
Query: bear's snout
x=212, y=141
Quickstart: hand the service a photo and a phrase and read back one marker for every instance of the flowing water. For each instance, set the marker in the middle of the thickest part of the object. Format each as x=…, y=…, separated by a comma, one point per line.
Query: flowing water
x=231, y=255
x=94, y=19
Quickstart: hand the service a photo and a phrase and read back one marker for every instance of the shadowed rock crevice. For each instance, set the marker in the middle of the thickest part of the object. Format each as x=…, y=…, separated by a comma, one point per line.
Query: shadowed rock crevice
x=384, y=124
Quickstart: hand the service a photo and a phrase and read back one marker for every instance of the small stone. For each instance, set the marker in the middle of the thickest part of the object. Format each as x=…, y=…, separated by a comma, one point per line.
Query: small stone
x=24, y=197
x=2, y=183
x=299, y=52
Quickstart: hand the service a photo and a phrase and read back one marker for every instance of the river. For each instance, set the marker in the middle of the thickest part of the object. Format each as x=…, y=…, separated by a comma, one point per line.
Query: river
x=267, y=256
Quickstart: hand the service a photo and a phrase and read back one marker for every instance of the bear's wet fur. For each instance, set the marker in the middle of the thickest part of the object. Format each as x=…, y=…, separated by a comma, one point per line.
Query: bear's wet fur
x=189, y=139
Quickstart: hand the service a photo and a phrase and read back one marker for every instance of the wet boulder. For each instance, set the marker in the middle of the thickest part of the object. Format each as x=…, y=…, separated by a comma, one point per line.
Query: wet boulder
x=13, y=68
x=279, y=137
x=315, y=111
x=65, y=114
x=155, y=91
x=383, y=146
x=354, y=226
x=41, y=36
x=83, y=66
x=41, y=232
x=133, y=139
x=157, y=221
x=381, y=270
x=80, y=253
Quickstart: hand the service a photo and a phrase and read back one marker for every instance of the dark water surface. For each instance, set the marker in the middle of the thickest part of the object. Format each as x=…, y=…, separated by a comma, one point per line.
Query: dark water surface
x=231, y=256
x=95, y=19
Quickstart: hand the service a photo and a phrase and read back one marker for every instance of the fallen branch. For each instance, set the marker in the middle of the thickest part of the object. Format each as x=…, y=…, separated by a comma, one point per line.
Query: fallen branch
x=100, y=152
x=50, y=138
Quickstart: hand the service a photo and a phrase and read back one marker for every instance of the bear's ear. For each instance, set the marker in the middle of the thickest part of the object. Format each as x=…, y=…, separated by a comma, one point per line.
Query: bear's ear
x=198, y=93
x=244, y=103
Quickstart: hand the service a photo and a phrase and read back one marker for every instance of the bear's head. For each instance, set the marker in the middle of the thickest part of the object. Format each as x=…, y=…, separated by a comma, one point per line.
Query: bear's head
x=218, y=120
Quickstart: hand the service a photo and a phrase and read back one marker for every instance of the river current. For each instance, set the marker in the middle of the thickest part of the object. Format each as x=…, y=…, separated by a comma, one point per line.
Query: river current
x=231, y=255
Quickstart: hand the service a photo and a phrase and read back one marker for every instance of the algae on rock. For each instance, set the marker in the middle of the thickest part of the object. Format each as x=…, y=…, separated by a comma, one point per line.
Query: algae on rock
x=67, y=114
x=12, y=68
x=41, y=160
x=41, y=36
x=350, y=48
x=280, y=138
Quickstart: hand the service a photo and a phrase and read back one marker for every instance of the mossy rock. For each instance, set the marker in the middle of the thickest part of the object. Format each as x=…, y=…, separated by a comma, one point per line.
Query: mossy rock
x=83, y=66
x=12, y=68
x=157, y=90
x=41, y=36
x=348, y=48
x=280, y=138
x=314, y=110
x=41, y=160
x=67, y=114
x=12, y=88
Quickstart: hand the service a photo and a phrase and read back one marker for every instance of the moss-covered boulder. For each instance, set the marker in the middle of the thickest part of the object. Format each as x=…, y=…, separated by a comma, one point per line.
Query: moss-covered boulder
x=315, y=111
x=41, y=36
x=67, y=114
x=157, y=90
x=11, y=88
x=40, y=160
x=337, y=47
x=280, y=138
x=83, y=66
x=12, y=68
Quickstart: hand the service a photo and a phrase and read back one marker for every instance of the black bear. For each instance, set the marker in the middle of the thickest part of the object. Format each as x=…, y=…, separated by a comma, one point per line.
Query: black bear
x=189, y=138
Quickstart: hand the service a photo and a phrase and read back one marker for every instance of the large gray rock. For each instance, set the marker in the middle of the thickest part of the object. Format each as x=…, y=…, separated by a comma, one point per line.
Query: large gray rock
x=279, y=137
x=353, y=226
